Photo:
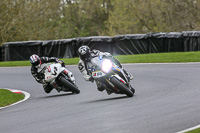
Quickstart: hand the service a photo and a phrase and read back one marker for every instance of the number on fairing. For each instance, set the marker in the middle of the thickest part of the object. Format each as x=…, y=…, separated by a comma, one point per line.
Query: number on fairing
x=55, y=69
x=97, y=74
x=49, y=69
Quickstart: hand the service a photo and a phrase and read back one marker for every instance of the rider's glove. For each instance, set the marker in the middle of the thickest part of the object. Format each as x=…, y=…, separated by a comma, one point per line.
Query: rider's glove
x=62, y=63
x=41, y=81
x=40, y=76
x=91, y=79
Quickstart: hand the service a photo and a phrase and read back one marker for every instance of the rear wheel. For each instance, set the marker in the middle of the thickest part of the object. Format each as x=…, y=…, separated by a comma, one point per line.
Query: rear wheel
x=69, y=85
x=123, y=88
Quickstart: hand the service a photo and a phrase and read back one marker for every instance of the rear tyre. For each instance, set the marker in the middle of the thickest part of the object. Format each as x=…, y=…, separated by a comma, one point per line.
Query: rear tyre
x=123, y=88
x=69, y=85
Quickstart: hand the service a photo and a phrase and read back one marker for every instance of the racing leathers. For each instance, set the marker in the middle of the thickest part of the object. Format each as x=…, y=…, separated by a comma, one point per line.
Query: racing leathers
x=83, y=67
x=39, y=77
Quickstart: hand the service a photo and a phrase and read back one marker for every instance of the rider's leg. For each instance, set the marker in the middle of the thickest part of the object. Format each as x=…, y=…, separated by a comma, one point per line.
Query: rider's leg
x=100, y=86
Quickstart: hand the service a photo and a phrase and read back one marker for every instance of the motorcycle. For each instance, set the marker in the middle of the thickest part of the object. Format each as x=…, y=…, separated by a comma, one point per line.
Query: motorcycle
x=112, y=76
x=59, y=77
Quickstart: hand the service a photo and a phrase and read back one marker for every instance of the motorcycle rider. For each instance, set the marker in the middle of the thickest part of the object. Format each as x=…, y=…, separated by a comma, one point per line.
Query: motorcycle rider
x=85, y=55
x=37, y=62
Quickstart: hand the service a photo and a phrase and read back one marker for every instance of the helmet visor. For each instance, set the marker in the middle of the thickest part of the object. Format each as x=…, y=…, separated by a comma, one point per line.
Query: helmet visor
x=86, y=57
x=36, y=63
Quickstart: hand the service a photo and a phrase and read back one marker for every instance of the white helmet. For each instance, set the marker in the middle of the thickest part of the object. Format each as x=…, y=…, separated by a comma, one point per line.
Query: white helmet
x=35, y=60
x=84, y=53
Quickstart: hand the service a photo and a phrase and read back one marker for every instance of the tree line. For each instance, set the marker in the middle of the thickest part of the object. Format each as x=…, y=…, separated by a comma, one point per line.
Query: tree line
x=23, y=20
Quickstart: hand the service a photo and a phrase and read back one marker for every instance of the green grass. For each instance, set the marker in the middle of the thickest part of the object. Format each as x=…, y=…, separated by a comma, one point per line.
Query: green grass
x=7, y=97
x=68, y=61
x=139, y=58
x=161, y=57
x=194, y=131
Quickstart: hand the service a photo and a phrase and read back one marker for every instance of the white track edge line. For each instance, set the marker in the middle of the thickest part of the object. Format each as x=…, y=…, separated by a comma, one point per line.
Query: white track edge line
x=189, y=129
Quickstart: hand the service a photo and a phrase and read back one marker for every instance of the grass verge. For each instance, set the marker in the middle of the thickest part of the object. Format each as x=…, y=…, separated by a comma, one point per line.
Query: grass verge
x=194, y=131
x=172, y=57
x=7, y=97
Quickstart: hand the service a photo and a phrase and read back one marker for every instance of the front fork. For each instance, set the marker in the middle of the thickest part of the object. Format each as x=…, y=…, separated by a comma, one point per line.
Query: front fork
x=69, y=75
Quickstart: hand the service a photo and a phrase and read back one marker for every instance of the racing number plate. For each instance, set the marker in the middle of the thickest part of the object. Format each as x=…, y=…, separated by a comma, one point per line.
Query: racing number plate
x=97, y=74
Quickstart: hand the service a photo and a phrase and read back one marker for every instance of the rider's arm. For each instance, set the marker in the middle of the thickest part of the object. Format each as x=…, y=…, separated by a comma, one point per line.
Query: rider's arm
x=39, y=78
x=82, y=69
x=52, y=59
x=49, y=59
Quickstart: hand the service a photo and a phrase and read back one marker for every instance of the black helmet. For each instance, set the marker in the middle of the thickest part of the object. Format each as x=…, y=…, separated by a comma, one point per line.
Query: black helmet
x=84, y=53
x=35, y=60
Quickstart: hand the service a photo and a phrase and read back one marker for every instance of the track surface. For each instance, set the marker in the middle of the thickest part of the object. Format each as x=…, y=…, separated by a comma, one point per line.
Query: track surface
x=167, y=100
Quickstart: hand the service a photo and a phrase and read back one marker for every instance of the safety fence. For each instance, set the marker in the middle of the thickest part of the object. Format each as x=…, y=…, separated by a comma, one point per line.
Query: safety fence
x=117, y=45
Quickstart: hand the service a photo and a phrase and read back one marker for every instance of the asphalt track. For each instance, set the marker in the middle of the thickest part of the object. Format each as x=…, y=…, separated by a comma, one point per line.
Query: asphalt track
x=167, y=100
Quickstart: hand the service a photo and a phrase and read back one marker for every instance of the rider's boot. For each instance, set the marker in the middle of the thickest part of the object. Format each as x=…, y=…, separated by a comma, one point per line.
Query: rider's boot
x=100, y=86
x=108, y=92
x=47, y=88
x=129, y=76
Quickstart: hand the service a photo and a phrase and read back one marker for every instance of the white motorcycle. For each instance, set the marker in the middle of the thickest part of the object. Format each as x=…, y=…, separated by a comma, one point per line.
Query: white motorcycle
x=112, y=76
x=59, y=77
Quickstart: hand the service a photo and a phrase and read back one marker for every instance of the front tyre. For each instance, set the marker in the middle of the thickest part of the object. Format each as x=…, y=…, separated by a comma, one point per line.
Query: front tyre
x=123, y=88
x=69, y=85
x=133, y=90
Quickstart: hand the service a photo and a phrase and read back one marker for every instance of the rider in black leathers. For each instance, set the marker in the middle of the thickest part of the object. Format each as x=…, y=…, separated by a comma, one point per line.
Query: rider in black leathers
x=36, y=62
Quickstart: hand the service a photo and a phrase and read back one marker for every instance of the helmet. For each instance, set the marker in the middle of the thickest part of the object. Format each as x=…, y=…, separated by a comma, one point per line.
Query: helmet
x=35, y=60
x=84, y=53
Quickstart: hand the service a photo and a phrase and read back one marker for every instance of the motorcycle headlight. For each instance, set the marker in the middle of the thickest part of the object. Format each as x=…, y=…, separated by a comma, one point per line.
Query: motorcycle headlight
x=106, y=65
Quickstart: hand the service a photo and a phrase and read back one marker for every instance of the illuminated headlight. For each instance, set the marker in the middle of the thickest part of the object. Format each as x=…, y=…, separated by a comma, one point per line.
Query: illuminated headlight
x=106, y=65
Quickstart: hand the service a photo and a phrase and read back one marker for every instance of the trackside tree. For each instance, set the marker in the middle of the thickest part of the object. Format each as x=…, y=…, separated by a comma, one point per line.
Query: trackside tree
x=23, y=20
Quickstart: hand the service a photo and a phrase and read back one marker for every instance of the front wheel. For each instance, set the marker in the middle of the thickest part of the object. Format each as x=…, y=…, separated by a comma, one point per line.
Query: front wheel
x=123, y=88
x=69, y=85
x=133, y=90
